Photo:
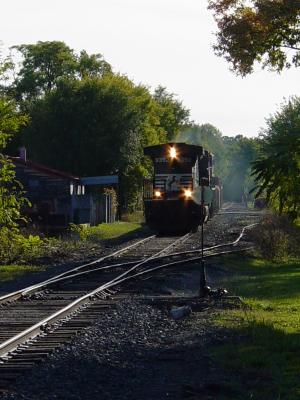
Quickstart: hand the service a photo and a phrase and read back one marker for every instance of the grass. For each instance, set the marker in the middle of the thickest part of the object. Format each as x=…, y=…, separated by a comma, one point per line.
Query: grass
x=137, y=216
x=264, y=356
x=58, y=249
x=116, y=230
x=11, y=272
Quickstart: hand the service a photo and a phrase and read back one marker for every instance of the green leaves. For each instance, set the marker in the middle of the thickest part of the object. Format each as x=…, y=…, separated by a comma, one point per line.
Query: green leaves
x=44, y=64
x=264, y=31
x=277, y=170
x=11, y=199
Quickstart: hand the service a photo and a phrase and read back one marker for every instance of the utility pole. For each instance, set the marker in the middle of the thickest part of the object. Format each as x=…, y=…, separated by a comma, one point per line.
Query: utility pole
x=202, y=286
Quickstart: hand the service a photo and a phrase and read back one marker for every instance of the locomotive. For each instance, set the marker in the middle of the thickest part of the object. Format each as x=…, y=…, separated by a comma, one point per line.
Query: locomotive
x=183, y=192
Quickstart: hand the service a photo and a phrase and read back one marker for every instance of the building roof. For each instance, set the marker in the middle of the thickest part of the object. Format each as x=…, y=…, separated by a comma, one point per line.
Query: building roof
x=43, y=169
x=100, y=180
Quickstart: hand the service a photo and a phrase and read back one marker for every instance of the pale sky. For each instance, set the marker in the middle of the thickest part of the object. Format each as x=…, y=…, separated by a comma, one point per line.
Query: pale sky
x=156, y=42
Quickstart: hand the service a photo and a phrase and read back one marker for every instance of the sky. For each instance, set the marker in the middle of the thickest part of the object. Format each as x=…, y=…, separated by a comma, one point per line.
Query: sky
x=157, y=42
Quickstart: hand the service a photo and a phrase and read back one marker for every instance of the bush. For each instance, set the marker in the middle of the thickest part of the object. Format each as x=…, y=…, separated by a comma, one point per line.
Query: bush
x=277, y=238
x=15, y=247
x=80, y=230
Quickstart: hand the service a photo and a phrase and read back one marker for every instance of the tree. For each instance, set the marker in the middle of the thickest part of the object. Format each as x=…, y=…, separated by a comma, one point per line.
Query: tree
x=92, y=65
x=87, y=120
x=266, y=31
x=11, y=199
x=277, y=169
x=95, y=126
x=44, y=64
x=173, y=115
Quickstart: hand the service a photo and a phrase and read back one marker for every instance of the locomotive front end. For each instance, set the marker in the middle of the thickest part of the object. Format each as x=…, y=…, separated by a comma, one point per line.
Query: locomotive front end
x=169, y=198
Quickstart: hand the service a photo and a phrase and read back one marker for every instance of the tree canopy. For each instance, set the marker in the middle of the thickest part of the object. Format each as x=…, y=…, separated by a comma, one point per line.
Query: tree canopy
x=277, y=169
x=93, y=126
x=266, y=31
x=44, y=64
x=173, y=115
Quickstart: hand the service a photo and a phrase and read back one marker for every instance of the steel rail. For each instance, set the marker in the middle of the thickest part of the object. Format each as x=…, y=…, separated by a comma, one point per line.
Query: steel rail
x=33, y=331
x=39, y=327
x=139, y=262
x=179, y=262
x=234, y=243
x=22, y=292
x=242, y=212
x=67, y=275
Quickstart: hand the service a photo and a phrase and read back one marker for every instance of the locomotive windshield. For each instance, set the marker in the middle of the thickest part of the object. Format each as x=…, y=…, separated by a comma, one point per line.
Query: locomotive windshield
x=174, y=168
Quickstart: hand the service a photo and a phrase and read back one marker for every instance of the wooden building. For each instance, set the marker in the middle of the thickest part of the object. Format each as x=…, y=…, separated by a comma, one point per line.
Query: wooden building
x=58, y=198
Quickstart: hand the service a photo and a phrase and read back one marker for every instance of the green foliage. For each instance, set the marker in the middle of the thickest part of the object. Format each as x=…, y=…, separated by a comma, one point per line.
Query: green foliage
x=44, y=64
x=232, y=156
x=80, y=230
x=88, y=121
x=92, y=65
x=11, y=272
x=115, y=230
x=277, y=169
x=11, y=199
x=266, y=31
x=15, y=247
x=173, y=115
x=94, y=126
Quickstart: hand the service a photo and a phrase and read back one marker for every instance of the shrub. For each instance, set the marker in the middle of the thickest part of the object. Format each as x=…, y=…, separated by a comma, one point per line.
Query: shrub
x=277, y=238
x=81, y=231
x=15, y=247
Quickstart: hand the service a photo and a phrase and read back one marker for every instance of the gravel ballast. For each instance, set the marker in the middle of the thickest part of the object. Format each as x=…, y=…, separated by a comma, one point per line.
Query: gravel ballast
x=135, y=351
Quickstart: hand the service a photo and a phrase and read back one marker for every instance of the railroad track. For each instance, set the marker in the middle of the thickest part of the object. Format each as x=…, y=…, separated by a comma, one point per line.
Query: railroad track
x=39, y=318
x=42, y=317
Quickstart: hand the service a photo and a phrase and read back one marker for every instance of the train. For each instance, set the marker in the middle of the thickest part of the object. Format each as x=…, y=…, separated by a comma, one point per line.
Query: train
x=183, y=192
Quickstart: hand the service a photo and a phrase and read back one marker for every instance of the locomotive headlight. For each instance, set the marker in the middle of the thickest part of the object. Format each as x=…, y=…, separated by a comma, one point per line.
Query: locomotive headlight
x=157, y=193
x=187, y=193
x=173, y=152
